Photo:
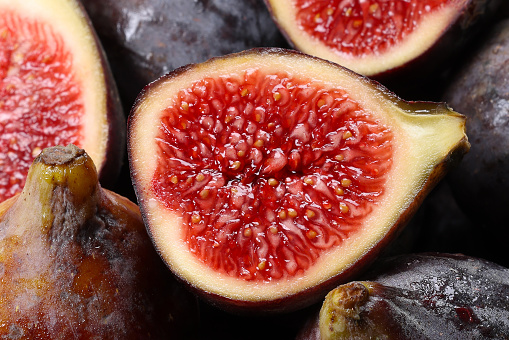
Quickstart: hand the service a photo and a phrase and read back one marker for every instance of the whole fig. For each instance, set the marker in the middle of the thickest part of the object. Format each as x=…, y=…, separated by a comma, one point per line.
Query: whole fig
x=421, y=296
x=76, y=262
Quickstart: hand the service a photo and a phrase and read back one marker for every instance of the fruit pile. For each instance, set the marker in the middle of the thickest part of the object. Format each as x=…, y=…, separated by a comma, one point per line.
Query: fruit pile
x=281, y=182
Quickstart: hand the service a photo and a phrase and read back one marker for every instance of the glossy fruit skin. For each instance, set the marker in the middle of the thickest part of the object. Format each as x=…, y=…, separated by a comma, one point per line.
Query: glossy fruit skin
x=481, y=91
x=77, y=262
x=426, y=296
x=146, y=39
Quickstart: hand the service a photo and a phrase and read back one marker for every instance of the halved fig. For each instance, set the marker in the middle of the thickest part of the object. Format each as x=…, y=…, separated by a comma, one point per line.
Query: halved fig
x=55, y=88
x=267, y=176
x=377, y=36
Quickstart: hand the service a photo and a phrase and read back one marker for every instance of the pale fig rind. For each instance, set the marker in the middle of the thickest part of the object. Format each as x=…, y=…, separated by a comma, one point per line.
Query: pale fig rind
x=77, y=262
x=428, y=138
x=418, y=296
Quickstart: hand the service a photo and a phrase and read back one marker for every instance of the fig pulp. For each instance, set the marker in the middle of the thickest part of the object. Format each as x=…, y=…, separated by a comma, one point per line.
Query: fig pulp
x=265, y=177
x=422, y=296
x=378, y=37
x=76, y=261
x=55, y=88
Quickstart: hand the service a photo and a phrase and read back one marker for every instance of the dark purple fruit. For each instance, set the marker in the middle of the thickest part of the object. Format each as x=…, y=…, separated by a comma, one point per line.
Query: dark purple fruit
x=424, y=296
x=442, y=226
x=481, y=92
x=145, y=39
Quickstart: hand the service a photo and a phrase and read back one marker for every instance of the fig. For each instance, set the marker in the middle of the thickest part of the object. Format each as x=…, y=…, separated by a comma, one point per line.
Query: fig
x=76, y=261
x=380, y=37
x=266, y=176
x=419, y=296
x=481, y=91
x=56, y=88
x=145, y=39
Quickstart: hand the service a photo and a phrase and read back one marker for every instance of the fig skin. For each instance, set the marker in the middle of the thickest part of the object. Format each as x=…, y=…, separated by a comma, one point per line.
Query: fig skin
x=77, y=262
x=149, y=38
x=481, y=91
x=277, y=298
x=105, y=121
x=418, y=296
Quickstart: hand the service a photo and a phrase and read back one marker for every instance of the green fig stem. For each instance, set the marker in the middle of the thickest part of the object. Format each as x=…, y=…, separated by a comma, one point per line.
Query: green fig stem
x=61, y=192
x=341, y=309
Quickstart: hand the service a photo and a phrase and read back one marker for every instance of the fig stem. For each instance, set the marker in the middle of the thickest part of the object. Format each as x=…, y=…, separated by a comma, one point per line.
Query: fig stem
x=61, y=192
x=341, y=308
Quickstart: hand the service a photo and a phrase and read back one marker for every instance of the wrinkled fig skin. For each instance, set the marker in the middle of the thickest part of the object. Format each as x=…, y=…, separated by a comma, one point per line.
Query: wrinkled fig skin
x=422, y=296
x=481, y=92
x=76, y=261
x=145, y=39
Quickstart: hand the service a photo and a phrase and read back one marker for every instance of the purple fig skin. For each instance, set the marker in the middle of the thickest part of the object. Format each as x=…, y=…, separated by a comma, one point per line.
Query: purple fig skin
x=420, y=296
x=146, y=39
x=480, y=182
x=481, y=92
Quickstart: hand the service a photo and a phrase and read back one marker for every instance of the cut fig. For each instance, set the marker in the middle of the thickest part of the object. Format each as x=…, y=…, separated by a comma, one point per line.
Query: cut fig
x=378, y=36
x=55, y=88
x=267, y=176
x=77, y=263
x=421, y=296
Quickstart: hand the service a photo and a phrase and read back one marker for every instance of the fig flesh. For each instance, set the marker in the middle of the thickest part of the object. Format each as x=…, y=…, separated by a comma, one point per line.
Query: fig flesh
x=379, y=37
x=422, y=296
x=77, y=262
x=266, y=176
x=55, y=88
